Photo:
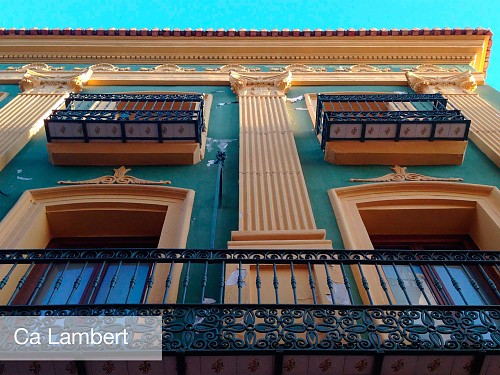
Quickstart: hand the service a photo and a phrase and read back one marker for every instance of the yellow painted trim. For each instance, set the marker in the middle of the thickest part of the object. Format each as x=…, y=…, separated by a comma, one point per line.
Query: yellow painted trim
x=427, y=208
x=394, y=153
x=28, y=223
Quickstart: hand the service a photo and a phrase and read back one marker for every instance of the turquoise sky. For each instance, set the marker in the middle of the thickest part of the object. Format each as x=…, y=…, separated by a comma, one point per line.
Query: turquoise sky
x=258, y=14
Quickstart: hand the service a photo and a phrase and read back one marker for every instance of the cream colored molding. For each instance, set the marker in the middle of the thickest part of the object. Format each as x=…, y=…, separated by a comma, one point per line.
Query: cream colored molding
x=460, y=83
x=232, y=68
x=167, y=68
x=413, y=208
x=453, y=49
x=400, y=174
x=36, y=66
x=117, y=178
x=103, y=67
x=298, y=68
x=38, y=83
x=367, y=68
x=260, y=85
x=431, y=68
x=189, y=78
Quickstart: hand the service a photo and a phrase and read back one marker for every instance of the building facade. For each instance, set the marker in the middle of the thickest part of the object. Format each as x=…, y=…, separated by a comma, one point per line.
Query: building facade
x=290, y=202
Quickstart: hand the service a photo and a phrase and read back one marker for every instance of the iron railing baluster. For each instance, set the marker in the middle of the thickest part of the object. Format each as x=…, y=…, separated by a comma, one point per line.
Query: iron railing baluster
x=96, y=282
x=77, y=282
x=186, y=282
x=401, y=284
x=312, y=284
x=58, y=283
x=113, y=282
x=347, y=284
x=150, y=282
x=276, y=284
x=329, y=282
x=168, y=282
x=222, y=283
x=383, y=284
x=39, y=284
x=420, y=286
x=204, y=281
x=5, y=279
x=133, y=280
x=490, y=282
x=239, y=282
x=364, y=281
x=21, y=283
x=474, y=284
x=455, y=284
x=293, y=282
x=258, y=282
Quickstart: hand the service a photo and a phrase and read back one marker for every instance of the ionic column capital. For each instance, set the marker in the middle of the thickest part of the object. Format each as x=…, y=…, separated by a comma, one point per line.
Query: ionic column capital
x=34, y=82
x=260, y=84
x=460, y=83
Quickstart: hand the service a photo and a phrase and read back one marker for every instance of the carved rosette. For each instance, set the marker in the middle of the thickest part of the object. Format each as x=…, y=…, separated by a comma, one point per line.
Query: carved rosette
x=260, y=85
x=36, y=82
x=460, y=83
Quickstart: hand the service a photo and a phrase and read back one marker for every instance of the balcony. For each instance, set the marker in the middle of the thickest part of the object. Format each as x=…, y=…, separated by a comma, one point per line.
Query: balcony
x=381, y=125
x=94, y=124
x=282, y=309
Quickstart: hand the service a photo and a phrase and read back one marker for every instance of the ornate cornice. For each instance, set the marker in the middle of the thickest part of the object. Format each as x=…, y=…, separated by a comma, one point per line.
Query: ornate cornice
x=460, y=83
x=119, y=177
x=34, y=82
x=260, y=85
x=400, y=174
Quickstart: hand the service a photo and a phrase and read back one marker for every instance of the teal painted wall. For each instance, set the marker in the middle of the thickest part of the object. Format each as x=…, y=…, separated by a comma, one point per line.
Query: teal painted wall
x=11, y=90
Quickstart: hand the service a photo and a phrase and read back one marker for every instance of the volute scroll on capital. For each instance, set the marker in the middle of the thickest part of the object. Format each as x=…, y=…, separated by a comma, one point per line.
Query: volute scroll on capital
x=460, y=83
x=260, y=84
x=35, y=82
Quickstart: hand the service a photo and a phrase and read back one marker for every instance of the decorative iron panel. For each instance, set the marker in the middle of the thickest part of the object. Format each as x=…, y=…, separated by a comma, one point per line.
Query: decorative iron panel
x=388, y=117
x=236, y=328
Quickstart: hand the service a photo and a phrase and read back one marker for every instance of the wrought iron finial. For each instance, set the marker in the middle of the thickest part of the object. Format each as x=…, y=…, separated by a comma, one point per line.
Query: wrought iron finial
x=221, y=157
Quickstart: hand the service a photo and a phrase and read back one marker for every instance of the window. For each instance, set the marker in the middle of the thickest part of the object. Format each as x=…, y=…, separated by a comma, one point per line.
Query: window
x=417, y=209
x=99, y=216
x=108, y=129
x=407, y=129
x=430, y=276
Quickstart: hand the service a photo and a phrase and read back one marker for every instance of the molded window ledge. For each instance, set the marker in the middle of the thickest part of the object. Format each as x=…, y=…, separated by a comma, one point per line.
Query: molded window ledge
x=167, y=153
x=393, y=153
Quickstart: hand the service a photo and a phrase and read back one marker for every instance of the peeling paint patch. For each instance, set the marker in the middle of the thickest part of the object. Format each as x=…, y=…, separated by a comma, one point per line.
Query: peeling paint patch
x=225, y=103
x=300, y=109
x=24, y=178
x=233, y=278
x=296, y=99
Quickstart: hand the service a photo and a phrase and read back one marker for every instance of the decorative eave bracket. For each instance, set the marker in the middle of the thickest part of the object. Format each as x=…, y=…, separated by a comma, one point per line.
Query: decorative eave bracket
x=260, y=84
x=35, y=82
x=460, y=83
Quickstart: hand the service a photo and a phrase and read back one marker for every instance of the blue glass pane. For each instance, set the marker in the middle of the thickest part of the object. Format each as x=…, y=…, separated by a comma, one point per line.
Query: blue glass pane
x=470, y=294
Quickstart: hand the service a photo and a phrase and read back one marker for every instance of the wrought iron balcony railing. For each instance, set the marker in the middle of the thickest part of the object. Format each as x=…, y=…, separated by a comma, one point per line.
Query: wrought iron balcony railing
x=271, y=300
x=127, y=118
x=388, y=117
